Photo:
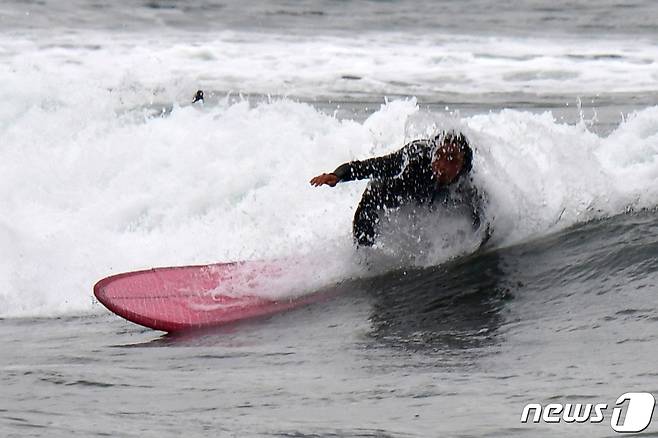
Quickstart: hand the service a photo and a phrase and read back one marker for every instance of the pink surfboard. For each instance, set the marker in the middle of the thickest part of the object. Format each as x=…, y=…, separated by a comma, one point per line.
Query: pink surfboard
x=192, y=297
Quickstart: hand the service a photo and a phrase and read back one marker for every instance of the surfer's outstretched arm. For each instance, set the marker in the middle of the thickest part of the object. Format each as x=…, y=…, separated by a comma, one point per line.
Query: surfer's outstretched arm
x=386, y=166
x=329, y=179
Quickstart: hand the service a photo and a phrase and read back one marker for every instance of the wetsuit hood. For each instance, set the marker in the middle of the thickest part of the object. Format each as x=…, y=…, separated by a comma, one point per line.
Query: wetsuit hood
x=459, y=139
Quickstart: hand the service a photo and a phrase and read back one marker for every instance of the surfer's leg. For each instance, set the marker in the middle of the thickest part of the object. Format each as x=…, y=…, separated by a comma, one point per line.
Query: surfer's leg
x=375, y=198
x=365, y=219
x=479, y=220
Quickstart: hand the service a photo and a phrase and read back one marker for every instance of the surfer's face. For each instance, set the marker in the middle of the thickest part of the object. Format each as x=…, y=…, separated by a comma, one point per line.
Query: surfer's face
x=448, y=161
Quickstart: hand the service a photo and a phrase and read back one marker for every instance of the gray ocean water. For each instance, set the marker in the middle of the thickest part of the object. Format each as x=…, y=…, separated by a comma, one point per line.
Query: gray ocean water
x=565, y=315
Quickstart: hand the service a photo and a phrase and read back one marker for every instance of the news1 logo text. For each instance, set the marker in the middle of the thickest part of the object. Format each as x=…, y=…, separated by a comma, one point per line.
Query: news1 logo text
x=631, y=413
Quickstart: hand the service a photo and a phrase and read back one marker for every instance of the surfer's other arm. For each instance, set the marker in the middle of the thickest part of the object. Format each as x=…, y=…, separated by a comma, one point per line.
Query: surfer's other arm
x=387, y=166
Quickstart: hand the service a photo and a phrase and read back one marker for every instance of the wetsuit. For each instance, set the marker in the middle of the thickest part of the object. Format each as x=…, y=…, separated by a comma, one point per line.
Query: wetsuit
x=405, y=176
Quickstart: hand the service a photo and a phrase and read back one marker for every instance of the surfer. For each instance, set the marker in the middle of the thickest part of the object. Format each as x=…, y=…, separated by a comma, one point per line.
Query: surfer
x=425, y=172
x=198, y=96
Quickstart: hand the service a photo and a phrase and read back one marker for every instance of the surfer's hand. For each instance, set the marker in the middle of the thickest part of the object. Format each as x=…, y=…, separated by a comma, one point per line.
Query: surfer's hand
x=326, y=178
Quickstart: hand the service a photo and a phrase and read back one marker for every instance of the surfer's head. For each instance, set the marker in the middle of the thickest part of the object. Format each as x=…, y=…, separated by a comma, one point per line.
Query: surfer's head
x=453, y=156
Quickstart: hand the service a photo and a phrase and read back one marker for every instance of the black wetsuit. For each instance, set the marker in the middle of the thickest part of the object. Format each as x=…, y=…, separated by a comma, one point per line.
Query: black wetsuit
x=405, y=176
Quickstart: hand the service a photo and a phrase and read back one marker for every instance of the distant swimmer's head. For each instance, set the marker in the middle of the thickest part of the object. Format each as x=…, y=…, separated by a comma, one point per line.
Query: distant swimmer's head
x=198, y=96
x=453, y=156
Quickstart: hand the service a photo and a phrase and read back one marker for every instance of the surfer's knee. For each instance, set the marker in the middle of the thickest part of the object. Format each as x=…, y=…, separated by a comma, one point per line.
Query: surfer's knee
x=366, y=217
x=364, y=225
x=375, y=199
x=476, y=219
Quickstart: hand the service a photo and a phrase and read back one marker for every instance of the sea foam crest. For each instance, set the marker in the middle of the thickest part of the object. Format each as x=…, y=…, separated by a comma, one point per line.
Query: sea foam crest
x=91, y=189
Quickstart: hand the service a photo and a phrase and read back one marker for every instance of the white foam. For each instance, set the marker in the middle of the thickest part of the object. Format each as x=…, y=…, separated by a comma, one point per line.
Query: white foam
x=90, y=185
x=383, y=64
x=544, y=175
x=87, y=192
